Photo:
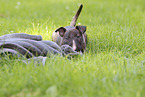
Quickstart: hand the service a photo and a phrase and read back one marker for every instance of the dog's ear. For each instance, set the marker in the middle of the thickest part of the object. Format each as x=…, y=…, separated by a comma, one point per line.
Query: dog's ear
x=61, y=31
x=82, y=29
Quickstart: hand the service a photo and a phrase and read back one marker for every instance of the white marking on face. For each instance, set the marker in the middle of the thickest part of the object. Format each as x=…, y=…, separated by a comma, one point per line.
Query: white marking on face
x=84, y=40
x=74, y=45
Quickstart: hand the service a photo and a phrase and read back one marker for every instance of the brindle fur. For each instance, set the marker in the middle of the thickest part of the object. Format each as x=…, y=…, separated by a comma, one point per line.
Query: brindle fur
x=72, y=35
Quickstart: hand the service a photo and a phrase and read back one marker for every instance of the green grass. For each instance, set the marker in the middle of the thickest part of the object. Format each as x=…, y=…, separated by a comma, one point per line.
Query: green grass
x=114, y=62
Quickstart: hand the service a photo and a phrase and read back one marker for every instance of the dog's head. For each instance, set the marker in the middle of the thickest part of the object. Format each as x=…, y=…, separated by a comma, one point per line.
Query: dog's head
x=74, y=37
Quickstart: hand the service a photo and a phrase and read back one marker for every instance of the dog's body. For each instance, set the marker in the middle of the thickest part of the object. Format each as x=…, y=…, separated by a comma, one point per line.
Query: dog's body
x=72, y=35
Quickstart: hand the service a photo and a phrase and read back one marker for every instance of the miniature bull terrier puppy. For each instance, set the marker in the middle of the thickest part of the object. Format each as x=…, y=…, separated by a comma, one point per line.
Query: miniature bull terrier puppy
x=72, y=35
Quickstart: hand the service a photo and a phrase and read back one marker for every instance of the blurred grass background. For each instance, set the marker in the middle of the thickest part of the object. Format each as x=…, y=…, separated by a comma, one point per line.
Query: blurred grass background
x=113, y=64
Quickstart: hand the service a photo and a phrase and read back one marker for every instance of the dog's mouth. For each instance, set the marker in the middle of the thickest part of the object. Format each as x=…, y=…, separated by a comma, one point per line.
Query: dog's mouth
x=68, y=50
x=74, y=46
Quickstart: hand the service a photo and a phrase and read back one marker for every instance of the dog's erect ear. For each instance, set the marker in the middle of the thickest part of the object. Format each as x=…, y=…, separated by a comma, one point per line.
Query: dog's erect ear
x=61, y=31
x=82, y=29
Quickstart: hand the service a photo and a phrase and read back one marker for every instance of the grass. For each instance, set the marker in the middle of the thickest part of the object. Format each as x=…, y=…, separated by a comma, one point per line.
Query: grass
x=114, y=62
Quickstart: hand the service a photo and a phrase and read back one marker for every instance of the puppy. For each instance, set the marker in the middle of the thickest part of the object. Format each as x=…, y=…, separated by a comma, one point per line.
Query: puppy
x=74, y=36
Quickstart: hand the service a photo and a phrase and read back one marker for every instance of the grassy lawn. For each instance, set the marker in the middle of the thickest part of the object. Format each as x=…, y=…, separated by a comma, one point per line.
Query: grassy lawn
x=114, y=62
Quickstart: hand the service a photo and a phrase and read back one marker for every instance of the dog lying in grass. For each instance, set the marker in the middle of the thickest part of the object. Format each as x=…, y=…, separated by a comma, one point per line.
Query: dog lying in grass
x=74, y=36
